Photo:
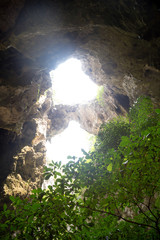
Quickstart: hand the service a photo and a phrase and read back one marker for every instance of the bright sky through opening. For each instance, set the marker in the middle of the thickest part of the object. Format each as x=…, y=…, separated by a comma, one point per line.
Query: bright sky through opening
x=71, y=85
x=69, y=142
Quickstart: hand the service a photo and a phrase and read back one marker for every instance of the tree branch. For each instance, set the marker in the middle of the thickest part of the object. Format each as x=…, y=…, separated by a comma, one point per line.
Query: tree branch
x=144, y=213
x=118, y=216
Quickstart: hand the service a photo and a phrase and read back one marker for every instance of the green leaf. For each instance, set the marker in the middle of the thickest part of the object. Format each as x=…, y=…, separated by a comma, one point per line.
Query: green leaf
x=13, y=199
x=157, y=111
x=109, y=168
x=70, y=157
x=47, y=176
x=5, y=207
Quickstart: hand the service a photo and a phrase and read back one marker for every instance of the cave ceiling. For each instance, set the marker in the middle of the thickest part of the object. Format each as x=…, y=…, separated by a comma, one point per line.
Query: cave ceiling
x=118, y=43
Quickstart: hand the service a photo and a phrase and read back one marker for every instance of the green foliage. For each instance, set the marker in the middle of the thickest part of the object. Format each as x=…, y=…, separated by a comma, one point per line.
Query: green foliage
x=142, y=115
x=111, y=193
x=110, y=134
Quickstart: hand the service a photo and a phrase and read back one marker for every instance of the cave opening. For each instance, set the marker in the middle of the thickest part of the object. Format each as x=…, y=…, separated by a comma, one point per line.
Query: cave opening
x=71, y=85
x=69, y=143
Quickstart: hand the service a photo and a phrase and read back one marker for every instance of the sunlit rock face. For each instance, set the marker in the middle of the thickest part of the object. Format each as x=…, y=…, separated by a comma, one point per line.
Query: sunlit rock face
x=118, y=43
x=24, y=105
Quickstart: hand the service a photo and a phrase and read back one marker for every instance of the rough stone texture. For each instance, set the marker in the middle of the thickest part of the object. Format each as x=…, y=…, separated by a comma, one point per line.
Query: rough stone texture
x=9, y=11
x=24, y=103
x=90, y=115
x=118, y=43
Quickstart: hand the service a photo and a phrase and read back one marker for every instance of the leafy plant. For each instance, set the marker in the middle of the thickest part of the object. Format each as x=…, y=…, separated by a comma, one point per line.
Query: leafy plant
x=110, y=134
x=111, y=193
x=142, y=115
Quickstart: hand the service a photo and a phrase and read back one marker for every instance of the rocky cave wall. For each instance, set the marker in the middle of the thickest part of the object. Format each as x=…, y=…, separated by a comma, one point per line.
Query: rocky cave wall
x=118, y=43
